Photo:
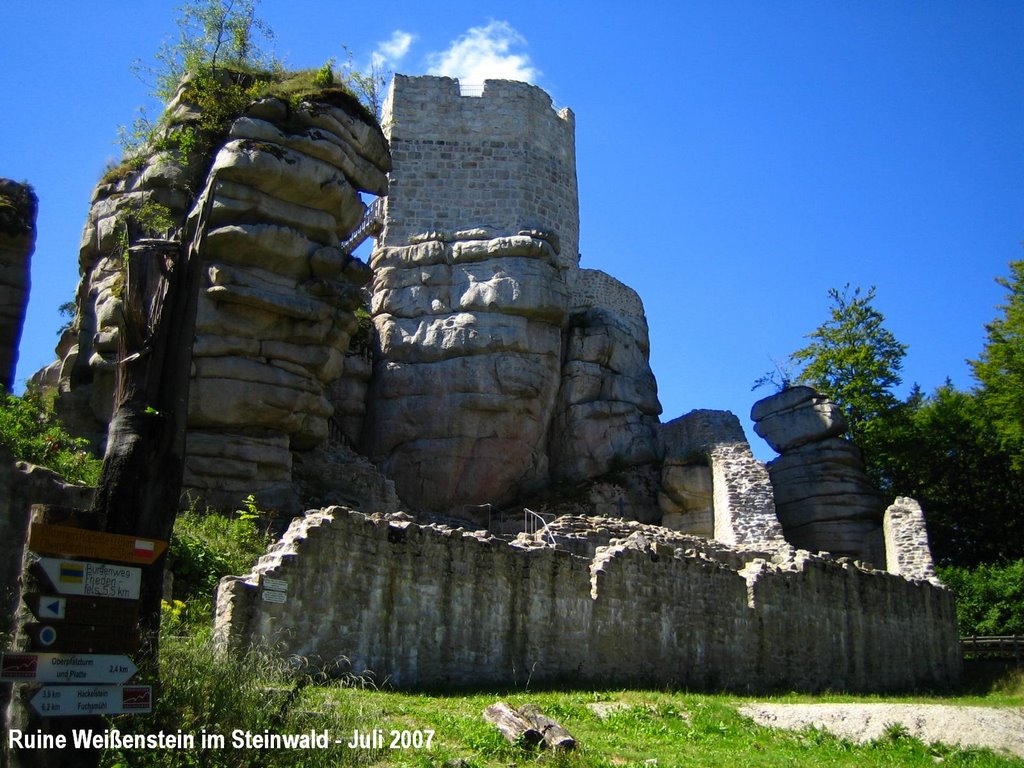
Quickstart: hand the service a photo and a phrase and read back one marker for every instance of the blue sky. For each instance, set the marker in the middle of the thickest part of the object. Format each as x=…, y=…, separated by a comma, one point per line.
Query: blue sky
x=735, y=159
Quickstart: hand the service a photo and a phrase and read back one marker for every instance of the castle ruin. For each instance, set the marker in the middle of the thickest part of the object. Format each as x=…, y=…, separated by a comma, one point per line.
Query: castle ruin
x=493, y=494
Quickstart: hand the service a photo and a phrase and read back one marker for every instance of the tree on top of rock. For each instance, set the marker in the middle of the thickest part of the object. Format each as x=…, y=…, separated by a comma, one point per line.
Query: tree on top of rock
x=855, y=360
x=213, y=34
x=1000, y=368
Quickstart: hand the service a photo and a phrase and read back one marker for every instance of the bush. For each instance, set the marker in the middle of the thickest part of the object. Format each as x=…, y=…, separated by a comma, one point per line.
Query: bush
x=31, y=431
x=989, y=597
x=206, y=547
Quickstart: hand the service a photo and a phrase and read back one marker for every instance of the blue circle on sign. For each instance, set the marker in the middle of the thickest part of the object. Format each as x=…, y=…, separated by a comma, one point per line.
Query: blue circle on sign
x=47, y=635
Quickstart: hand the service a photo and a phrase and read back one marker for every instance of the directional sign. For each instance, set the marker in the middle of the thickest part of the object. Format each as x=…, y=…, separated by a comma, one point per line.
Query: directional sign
x=82, y=638
x=65, y=700
x=73, y=609
x=78, y=577
x=79, y=542
x=66, y=668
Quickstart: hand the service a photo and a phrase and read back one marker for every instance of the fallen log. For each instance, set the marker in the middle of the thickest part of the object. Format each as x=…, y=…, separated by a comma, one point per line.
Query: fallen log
x=555, y=736
x=513, y=726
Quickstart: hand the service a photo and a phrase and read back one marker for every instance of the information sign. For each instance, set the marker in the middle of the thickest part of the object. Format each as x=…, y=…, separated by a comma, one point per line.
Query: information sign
x=66, y=700
x=72, y=609
x=78, y=577
x=66, y=668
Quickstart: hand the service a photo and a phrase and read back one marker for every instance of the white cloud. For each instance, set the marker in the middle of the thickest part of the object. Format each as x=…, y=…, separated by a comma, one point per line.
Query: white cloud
x=485, y=52
x=389, y=53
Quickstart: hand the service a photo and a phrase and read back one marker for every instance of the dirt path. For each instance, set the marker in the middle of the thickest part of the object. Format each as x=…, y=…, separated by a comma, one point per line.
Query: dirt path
x=1001, y=730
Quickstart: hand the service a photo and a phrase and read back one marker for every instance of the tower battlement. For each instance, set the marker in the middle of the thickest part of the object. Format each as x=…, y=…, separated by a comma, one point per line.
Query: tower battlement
x=503, y=161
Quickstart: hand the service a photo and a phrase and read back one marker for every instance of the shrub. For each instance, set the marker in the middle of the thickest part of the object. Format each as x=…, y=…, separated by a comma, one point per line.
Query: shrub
x=205, y=691
x=989, y=597
x=32, y=432
x=206, y=547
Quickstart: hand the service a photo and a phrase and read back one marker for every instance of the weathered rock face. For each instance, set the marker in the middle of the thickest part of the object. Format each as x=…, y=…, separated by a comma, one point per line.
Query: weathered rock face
x=500, y=364
x=276, y=308
x=274, y=321
x=796, y=416
x=823, y=496
x=608, y=407
x=18, y=208
x=467, y=370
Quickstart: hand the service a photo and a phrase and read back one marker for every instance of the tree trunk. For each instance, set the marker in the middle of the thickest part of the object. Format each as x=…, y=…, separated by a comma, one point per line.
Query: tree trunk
x=512, y=725
x=555, y=736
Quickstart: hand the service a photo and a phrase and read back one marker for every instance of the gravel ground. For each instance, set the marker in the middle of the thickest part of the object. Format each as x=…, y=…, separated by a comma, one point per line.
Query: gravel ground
x=1001, y=730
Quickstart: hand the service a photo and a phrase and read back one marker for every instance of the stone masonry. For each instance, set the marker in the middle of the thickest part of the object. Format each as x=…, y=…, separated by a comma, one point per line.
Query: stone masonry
x=742, y=501
x=597, y=602
x=503, y=161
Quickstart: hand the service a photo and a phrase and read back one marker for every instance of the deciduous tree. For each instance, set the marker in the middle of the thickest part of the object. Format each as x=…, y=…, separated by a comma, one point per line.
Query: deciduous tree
x=1000, y=368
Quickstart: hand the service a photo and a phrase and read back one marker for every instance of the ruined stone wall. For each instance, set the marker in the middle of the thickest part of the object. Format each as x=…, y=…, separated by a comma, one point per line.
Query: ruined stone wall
x=429, y=605
x=742, y=501
x=906, y=540
x=504, y=161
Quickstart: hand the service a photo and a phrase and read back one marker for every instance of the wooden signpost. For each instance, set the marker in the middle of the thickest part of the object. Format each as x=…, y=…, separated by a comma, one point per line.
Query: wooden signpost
x=78, y=542
x=87, y=622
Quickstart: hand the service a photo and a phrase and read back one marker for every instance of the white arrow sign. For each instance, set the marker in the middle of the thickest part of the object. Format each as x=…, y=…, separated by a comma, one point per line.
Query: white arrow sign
x=65, y=700
x=78, y=577
x=66, y=667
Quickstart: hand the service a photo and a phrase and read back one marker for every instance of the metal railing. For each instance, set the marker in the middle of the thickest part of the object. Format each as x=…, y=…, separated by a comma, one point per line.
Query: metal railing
x=371, y=226
x=993, y=646
x=531, y=520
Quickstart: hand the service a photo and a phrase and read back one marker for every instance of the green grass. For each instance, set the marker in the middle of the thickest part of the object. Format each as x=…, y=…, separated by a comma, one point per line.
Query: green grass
x=219, y=693
x=675, y=729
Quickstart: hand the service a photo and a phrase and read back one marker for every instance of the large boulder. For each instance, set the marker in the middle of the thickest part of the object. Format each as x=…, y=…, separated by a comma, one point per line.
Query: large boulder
x=607, y=414
x=276, y=310
x=824, y=498
x=796, y=416
x=467, y=367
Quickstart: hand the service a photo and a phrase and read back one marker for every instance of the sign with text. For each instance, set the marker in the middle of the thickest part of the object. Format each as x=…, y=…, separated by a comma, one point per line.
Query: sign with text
x=76, y=577
x=66, y=668
x=66, y=700
x=72, y=609
x=79, y=542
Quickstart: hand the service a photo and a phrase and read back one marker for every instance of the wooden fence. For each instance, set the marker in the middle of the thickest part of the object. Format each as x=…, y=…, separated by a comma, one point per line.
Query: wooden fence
x=1005, y=647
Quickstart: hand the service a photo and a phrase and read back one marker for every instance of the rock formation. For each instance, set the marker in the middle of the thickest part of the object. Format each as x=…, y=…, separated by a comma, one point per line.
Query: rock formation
x=18, y=207
x=823, y=496
x=277, y=308
x=501, y=366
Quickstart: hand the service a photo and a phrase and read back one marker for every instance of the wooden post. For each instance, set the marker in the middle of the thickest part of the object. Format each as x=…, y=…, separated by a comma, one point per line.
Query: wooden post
x=140, y=483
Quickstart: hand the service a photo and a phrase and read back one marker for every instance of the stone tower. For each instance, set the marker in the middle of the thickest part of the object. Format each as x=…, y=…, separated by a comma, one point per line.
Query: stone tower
x=473, y=276
x=503, y=162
